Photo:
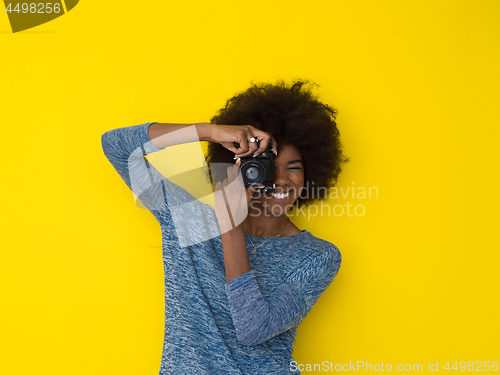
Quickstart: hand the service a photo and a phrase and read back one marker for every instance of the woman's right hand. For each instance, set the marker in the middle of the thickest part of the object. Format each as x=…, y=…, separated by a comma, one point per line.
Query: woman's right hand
x=226, y=135
x=232, y=199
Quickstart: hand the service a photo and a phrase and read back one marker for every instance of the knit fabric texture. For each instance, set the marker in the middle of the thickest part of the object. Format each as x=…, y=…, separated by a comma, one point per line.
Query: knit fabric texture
x=244, y=326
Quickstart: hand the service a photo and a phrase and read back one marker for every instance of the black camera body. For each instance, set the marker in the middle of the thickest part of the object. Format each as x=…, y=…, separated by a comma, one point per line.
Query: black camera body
x=259, y=169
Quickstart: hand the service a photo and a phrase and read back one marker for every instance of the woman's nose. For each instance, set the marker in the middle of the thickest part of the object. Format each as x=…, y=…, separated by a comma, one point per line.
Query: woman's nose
x=280, y=178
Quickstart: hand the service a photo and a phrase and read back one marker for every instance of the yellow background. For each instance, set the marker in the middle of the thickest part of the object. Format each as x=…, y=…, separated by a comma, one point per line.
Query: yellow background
x=416, y=86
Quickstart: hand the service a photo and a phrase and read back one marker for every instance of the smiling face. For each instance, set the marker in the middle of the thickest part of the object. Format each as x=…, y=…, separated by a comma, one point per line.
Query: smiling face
x=289, y=182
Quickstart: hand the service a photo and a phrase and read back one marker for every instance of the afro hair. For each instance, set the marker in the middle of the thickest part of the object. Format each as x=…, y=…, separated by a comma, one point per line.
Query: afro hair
x=294, y=116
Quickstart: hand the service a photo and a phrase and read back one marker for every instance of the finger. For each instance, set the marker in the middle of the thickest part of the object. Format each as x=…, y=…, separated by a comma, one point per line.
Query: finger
x=251, y=147
x=236, y=183
x=232, y=171
x=236, y=166
x=264, y=141
x=238, y=174
x=253, y=189
x=275, y=146
x=243, y=143
x=223, y=191
x=239, y=154
x=229, y=146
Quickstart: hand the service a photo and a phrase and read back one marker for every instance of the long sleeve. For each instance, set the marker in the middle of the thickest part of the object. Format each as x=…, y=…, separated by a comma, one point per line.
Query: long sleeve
x=126, y=148
x=257, y=320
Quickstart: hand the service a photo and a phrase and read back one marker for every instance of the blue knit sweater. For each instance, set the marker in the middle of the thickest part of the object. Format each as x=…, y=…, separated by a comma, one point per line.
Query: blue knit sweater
x=245, y=326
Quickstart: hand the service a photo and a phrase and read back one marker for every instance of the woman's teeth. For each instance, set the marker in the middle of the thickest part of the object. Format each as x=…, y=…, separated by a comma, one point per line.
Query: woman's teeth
x=280, y=195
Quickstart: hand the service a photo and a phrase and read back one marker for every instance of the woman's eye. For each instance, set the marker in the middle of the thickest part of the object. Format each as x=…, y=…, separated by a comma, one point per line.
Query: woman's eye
x=294, y=168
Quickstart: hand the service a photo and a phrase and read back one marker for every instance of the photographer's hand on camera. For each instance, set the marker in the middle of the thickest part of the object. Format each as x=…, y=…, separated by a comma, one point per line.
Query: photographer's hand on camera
x=227, y=135
x=232, y=199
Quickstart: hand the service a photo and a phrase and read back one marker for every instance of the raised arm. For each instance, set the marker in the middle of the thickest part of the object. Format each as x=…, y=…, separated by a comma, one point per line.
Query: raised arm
x=126, y=149
x=226, y=135
x=157, y=133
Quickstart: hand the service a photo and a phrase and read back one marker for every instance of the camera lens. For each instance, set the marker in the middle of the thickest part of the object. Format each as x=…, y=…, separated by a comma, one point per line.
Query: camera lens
x=253, y=173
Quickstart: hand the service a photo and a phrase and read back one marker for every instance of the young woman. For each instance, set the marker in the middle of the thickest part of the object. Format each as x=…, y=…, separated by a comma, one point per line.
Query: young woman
x=238, y=279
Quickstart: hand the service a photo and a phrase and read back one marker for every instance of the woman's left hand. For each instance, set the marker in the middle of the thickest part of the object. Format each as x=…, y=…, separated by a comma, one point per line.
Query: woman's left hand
x=232, y=199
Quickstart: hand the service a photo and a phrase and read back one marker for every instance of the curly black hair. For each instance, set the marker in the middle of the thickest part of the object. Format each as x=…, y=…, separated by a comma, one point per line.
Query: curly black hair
x=293, y=115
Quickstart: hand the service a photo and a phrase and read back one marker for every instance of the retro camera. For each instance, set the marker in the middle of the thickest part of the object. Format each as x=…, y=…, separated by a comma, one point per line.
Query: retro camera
x=259, y=169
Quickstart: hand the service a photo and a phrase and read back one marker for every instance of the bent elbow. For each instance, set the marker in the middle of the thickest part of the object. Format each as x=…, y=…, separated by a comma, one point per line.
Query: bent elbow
x=105, y=144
